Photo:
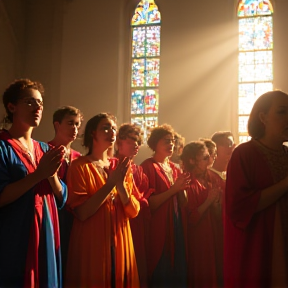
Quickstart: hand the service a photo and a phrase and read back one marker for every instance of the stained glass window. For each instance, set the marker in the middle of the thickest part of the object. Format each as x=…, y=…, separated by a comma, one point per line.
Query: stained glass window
x=146, y=28
x=255, y=74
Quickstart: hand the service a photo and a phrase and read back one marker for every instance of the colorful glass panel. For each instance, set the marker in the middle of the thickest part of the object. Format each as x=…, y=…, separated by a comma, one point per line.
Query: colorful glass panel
x=152, y=72
x=146, y=41
x=254, y=7
x=138, y=69
x=146, y=12
x=146, y=31
x=144, y=102
x=153, y=41
x=255, y=33
x=137, y=102
x=138, y=42
x=255, y=75
x=151, y=101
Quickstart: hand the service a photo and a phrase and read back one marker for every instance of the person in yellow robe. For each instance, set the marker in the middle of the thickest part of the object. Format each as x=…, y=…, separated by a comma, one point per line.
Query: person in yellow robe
x=101, y=252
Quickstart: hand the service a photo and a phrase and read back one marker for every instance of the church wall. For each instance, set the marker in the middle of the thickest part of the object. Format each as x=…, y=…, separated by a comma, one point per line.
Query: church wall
x=80, y=50
x=12, y=23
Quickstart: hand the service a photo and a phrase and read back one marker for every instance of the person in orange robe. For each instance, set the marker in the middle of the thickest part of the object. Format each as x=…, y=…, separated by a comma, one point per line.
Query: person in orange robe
x=204, y=217
x=101, y=252
x=127, y=145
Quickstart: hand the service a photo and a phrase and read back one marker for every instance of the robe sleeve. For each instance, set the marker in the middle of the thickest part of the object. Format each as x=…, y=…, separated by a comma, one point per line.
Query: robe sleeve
x=193, y=214
x=77, y=177
x=64, y=192
x=149, y=171
x=132, y=207
x=242, y=196
x=5, y=176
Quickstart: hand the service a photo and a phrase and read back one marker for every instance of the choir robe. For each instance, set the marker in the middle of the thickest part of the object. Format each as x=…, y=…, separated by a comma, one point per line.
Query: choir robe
x=101, y=246
x=139, y=223
x=29, y=230
x=250, y=237
x=204, y=235
x=165, y=238
x=65, y=216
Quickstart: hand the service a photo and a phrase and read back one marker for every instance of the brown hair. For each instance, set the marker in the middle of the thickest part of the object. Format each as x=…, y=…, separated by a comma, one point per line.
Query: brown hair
x=14, y=92
x=211, y=145
x=256, y=128
x=61, y=112
x=131, y=131
x=218, y=136
x=157, y=134
x=91, y=126
x=190, y=151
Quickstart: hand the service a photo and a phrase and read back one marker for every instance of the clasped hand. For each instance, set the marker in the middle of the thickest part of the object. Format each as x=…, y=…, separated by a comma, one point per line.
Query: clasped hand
x=182, y=182
x=50, y=162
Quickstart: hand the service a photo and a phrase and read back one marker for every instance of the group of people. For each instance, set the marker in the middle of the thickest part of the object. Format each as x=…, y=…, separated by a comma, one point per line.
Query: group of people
x=176, y=220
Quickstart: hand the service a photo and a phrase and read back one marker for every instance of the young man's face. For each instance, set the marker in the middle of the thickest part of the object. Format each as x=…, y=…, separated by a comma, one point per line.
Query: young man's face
x=225, y=149
x=68, y=128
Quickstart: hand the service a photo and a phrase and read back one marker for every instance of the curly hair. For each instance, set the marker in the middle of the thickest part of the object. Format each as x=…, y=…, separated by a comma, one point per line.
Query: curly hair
x=190, y=151
x=131, y=131
x=158, y=133
x=14, y=92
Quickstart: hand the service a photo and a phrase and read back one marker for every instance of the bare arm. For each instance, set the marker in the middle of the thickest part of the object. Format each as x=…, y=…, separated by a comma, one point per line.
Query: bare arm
x=124, y=196
x=56, y=187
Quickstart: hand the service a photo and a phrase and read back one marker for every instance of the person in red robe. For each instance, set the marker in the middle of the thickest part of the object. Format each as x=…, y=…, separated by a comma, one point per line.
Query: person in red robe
x=128, y=141
x=101, y=252
x=204, y=219
x=224, y=141
x=30, y=192
x=67, y=121
x=256, y=222
x=166, y=256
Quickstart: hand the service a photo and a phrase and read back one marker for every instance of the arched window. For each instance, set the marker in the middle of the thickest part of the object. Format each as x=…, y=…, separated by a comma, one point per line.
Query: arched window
x=255, y=75
x=146, y=29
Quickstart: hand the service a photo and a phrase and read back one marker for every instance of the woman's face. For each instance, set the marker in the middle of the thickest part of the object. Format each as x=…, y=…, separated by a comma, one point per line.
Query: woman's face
x=28, y=109
x=128, y=147
x=213, y=156
x=165, y=146
x=105, y=134
x=201, y=162
x=276, y=119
